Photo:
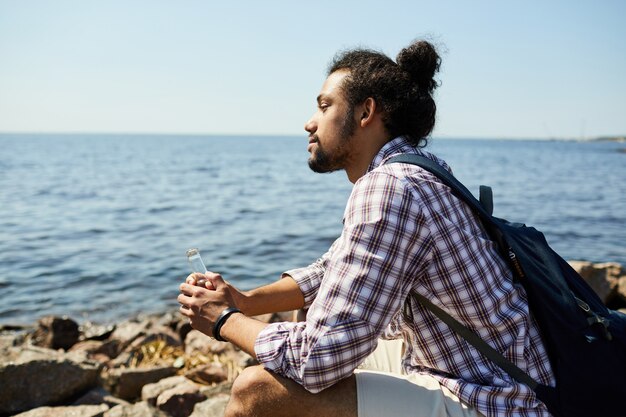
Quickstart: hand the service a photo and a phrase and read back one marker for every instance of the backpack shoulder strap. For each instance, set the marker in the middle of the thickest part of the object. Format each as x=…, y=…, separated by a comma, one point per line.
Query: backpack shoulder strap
x=448, y=179
x=484, y=210
x=486, y=198
x=478, y=343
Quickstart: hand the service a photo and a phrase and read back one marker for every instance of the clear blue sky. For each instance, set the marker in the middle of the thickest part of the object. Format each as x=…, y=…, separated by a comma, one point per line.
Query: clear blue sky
x=528, y=69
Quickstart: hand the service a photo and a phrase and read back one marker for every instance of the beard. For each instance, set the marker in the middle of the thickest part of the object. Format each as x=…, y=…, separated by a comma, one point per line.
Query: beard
x=329, y=160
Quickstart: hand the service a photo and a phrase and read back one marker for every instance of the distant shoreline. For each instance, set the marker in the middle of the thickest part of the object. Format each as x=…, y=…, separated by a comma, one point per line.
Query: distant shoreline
x=619, y=139
x=614, y=138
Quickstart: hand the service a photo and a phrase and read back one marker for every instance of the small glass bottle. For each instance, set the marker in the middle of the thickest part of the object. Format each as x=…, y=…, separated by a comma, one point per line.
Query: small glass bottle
x=197, y=265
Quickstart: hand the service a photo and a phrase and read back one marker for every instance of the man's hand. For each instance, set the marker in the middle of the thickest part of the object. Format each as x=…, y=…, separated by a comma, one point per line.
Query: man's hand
x=200, y=280
x=203, y=304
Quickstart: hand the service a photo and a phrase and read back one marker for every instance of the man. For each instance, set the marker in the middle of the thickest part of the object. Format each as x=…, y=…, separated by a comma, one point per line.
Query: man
x=403, y=230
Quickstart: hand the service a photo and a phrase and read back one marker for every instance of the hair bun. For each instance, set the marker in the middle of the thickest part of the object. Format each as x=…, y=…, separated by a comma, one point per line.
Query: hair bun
x=421, y=61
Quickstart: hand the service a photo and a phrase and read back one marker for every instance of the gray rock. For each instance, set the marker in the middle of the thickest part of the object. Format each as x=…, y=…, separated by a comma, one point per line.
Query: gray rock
x=127, y=332
x=213, y=407
x=183, y=328
x=161, y=333
x=97, y=350
x=32, y=377
x=98, y=396
x=56, y=333
x=140, y=409
x=197, y=342
x=621, y=289
x=11, y=338
x=219, y=389
x=133, y=351
x=207, y=374
x=278, y=317
x=93, y=331
x=126, y=383
x=180, y=400
x=603, y=278
x=150, y=392
x=8, y=327
x=69, y=411
x=169, y=319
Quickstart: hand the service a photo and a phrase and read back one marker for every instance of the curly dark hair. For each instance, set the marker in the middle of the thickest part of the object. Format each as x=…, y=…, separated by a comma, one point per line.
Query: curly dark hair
x=402, y=89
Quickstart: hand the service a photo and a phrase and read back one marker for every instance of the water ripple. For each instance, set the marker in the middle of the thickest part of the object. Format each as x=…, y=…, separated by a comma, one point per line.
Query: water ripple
x=107, y=243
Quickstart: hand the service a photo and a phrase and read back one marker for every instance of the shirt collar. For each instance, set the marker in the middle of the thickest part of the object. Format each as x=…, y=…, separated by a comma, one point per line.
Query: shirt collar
x=393, y=147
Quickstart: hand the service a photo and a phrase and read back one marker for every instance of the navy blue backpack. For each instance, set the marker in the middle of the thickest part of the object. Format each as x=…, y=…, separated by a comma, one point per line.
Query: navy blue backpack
x=586, y=341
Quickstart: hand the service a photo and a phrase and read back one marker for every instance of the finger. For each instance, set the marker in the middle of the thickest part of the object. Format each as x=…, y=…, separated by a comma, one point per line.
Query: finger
x=209, y=285
x=184, y=300
x=194, y=278
x=185, y=311
x=216, y=279
x=187, y=289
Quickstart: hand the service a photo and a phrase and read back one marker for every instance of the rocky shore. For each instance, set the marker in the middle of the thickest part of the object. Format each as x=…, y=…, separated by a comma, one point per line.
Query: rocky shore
x=150, y=366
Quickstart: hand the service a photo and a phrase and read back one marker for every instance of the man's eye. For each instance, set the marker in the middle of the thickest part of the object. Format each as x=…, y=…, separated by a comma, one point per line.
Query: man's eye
x=323, y=107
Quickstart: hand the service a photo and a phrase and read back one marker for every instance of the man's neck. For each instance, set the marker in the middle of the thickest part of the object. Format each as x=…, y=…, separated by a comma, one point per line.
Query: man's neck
x=368, y=148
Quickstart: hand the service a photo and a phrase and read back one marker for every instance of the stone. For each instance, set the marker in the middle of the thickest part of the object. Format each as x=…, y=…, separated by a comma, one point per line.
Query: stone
x=56, y=333
x=11, y=339
x=121, y=360
x=213, y=407
x=180, y=400
x=31, y=377
x=132, y=352
x=127, y=332
x=8, y=327
x=97, y=396
x=67, y=411
x=167, y=335
x=169, y=319
x=183, y=327
x=197, y=342
x=602, y=278
x=621, y=289
x=223, y=388
x=239, y=359
x=140, y=409
x=150, y=392
x=126, y=383
x=278, y=317
x=93, y=331
x=97, y=350
x=207, y=374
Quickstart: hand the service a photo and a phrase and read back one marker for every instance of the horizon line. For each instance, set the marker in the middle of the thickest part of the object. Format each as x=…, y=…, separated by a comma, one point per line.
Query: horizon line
x=442, y=137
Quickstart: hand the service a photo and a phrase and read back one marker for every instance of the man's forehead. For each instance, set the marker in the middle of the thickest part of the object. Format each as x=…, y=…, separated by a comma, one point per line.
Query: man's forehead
x=332, y=84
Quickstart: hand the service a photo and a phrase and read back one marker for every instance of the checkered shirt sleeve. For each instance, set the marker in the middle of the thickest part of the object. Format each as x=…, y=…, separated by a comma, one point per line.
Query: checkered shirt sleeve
x=404, y=230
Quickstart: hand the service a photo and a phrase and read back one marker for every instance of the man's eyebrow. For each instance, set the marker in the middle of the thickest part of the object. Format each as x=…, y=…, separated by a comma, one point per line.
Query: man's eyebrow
x=321, y=97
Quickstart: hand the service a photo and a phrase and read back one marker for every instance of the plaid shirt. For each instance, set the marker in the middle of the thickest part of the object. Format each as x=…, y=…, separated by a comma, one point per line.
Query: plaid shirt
x=404, y=230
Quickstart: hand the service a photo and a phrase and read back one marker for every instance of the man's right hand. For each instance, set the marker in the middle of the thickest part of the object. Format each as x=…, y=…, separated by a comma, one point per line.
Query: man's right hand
x=282, y=295
x=199, y=280
x=206, y=281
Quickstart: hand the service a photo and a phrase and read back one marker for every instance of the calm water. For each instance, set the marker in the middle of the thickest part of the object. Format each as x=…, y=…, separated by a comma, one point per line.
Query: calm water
x=96, y=227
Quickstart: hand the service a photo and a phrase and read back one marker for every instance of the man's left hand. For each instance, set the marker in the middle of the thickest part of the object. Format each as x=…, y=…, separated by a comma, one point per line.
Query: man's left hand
x=203, y=306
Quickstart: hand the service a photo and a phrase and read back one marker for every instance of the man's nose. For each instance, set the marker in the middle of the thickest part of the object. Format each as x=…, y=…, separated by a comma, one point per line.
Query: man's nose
x=310, y=126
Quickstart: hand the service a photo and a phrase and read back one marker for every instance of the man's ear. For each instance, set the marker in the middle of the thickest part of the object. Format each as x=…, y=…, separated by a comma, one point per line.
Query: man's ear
x=367, y=112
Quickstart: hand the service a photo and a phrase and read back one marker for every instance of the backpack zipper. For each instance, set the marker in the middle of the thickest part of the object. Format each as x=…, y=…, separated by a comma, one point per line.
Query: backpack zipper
x=593, y=318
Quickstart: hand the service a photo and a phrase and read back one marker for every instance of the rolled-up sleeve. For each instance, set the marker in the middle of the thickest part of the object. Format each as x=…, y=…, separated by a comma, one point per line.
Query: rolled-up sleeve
x=310, y=277
x=362, y=282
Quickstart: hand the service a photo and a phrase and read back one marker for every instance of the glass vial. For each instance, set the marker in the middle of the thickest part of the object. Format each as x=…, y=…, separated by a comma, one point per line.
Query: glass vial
x=197, y=265
x=195, y=261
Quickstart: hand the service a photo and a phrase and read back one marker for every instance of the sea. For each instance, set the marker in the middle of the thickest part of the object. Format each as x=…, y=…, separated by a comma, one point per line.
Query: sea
x=95, y=227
